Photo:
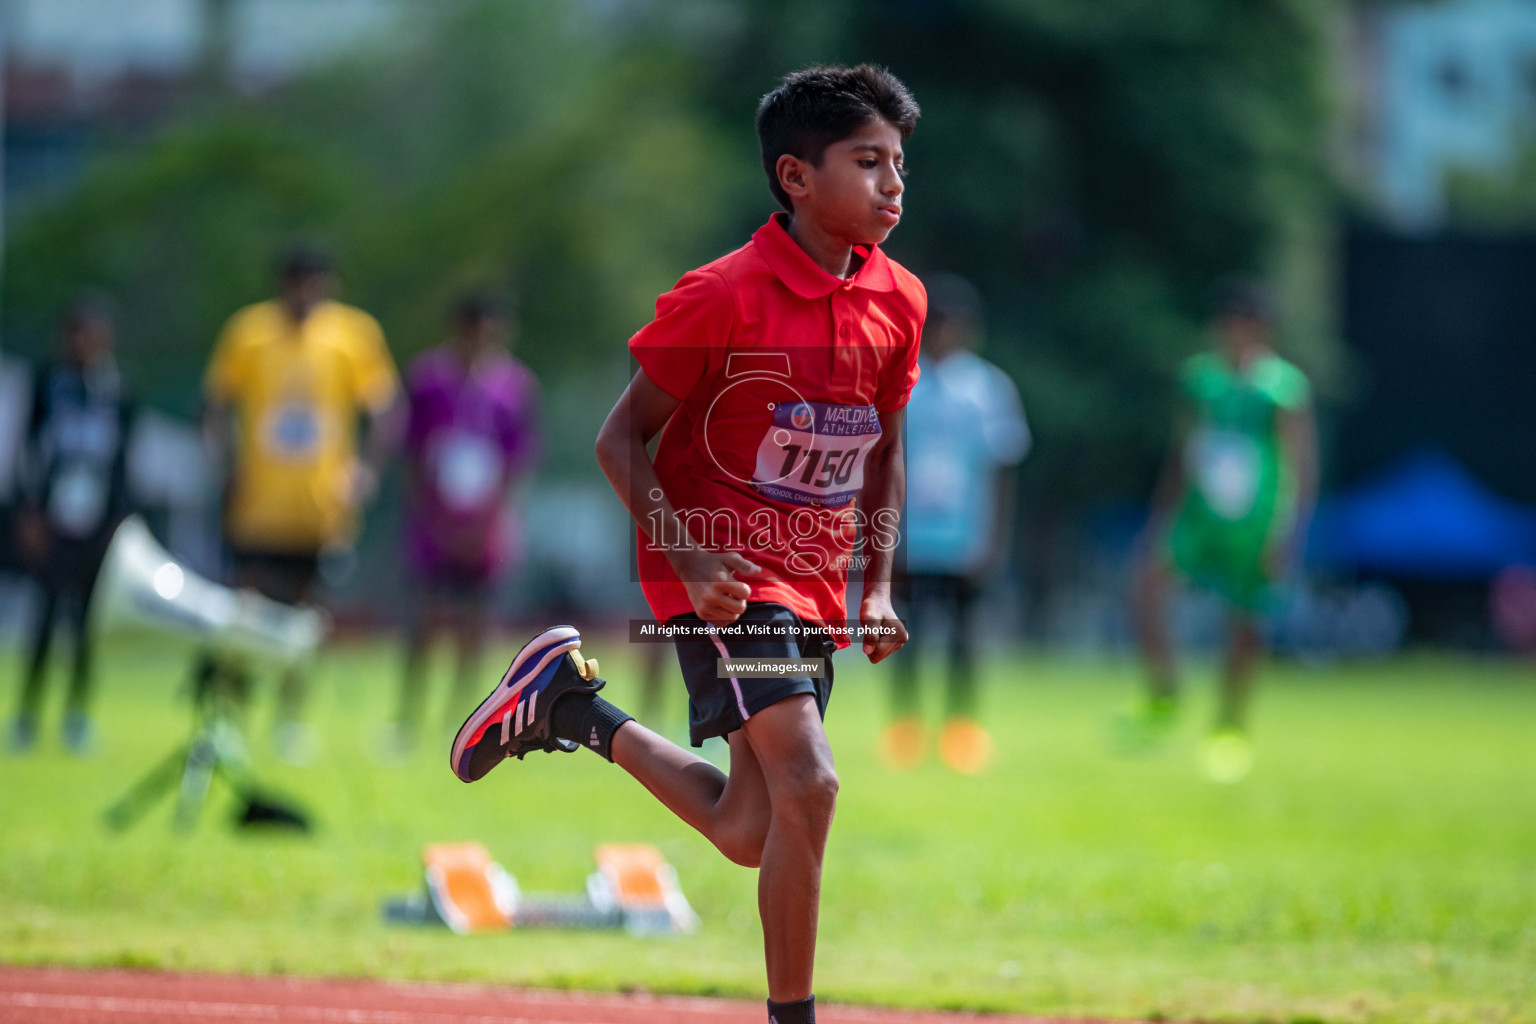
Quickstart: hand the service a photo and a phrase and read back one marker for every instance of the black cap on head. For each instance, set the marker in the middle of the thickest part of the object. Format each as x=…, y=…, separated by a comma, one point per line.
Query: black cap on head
x=484, y=304
x=1247, y=297
x=303, y=260
x=90, y=306
x=951, y=298
x=813, y=108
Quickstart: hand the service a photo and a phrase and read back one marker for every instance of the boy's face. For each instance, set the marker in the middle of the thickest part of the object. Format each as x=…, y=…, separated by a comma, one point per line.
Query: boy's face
x=945, y=335
x=1240, y=335
x=855, y=193
x=302, y=293
x=485, y=334
x=90, y=339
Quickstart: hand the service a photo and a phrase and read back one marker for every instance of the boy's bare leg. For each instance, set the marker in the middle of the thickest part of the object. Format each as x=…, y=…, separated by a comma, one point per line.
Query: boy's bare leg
x=1243, y=650
x=791, y=746
x=1151, y=613
x=469, y=639
x=417, y=640
x=730, y=811
x=774, y=811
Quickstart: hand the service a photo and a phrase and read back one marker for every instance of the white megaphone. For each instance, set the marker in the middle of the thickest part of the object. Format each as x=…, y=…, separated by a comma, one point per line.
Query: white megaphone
x=142, y=585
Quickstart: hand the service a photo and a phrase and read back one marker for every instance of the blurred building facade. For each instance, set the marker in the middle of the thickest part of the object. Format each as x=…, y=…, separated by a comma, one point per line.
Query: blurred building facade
x=76, y=68
x=1440, y=87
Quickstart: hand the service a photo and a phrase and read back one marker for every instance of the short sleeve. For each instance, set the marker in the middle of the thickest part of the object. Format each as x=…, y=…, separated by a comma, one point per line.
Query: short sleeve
x=1288, y=385
x=693, y=321
x=228, y=373
x=900, y=377
x=1005, y=427
x=374, y=377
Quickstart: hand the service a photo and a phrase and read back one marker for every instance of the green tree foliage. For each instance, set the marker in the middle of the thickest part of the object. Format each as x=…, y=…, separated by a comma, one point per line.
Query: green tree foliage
x=490, y=143
x=1094, y=167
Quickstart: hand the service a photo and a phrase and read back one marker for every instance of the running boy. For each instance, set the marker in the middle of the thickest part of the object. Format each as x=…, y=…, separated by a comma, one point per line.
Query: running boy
x=777, y=376
x=1237, y=487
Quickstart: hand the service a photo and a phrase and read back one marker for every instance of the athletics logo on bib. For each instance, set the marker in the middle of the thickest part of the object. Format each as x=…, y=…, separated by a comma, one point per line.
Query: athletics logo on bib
x=293, y=432
x=813, y=453
x=1227, y=466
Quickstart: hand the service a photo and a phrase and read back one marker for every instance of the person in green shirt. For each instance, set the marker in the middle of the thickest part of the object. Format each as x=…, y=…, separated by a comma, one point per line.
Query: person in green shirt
x=1231, y=505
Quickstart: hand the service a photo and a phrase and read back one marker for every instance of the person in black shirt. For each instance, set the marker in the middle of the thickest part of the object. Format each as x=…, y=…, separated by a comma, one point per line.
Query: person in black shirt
x=73, y=496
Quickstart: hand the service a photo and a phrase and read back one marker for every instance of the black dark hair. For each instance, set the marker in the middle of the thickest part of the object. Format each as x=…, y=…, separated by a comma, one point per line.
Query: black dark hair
x=951, y=298
x=1247, y=297
x=813, y=108
x=303, y=260
x=482, y=304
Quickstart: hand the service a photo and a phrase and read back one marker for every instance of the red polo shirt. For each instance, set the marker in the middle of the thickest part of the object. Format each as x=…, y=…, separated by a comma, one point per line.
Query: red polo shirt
x=782, y=370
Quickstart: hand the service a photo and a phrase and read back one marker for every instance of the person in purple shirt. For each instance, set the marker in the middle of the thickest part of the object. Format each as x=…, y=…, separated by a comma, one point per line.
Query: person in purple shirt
x=471, y=431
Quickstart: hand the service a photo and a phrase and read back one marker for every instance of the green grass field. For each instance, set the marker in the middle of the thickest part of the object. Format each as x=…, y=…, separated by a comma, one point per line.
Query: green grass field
x=1380, y=864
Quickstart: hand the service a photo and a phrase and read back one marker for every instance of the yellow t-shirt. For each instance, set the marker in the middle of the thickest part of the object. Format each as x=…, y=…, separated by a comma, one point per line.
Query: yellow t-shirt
x=296, y=391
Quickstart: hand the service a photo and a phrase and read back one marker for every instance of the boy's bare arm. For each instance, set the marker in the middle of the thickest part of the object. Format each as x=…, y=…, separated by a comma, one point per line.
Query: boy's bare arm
x=1298, y=446
x=709, y=576
x=885, y=489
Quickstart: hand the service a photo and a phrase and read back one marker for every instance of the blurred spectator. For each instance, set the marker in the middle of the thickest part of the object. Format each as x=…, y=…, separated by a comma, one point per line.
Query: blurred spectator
x=966, y=432
x=73, y=496
x=294, y=376
x=472, y=430
x=1237, y=487
x=1512, y=606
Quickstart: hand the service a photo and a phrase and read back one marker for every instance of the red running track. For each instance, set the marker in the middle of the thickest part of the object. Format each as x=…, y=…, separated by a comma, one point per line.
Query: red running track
x=60, y=996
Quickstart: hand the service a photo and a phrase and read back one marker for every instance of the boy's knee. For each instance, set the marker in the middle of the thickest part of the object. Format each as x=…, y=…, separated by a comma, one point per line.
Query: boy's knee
x=809, y=793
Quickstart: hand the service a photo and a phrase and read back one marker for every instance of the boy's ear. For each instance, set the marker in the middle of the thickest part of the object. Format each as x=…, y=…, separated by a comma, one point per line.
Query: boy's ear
x=791, y=172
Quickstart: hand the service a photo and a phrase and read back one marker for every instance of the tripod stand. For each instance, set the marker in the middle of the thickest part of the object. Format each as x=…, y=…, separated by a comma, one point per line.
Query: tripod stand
x=216, y=748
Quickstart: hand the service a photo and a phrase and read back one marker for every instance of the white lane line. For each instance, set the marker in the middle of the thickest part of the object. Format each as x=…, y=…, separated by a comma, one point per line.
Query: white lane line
x=245, y=1011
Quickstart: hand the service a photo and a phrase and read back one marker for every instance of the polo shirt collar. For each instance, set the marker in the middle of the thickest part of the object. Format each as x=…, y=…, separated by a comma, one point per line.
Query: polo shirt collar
x=804, y=276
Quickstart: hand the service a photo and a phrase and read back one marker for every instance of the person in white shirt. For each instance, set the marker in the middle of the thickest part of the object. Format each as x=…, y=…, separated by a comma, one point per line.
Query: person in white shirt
x=966, y=432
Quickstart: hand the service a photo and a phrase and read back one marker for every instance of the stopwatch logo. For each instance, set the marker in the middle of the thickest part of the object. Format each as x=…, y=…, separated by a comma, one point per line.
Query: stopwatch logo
x=759, y=383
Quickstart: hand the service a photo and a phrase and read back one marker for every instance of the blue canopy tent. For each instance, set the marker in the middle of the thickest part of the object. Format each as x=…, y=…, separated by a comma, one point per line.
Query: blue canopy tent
x=1423, y=517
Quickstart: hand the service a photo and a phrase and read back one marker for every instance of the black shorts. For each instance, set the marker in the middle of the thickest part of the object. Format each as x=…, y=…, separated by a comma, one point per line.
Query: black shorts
x=285, y=576
x=717, y=707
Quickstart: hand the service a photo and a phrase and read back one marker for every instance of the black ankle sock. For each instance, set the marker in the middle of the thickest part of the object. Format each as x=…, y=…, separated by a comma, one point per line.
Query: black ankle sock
x=587, y=719
x=801, y=1011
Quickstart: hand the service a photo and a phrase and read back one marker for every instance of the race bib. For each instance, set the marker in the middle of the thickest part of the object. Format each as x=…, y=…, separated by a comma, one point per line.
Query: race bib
x=78, y=500
x=293, y=432
x=467, y=469
x=813, y=453
x=1226, y=468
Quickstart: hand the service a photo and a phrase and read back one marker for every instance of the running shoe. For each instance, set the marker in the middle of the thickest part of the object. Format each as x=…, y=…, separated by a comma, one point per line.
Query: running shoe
x=1146, y=725
x=965, y=746
x=79, y=734
x=514, y=719
x=901, y=744
x=1227, y=756
x=23, y=734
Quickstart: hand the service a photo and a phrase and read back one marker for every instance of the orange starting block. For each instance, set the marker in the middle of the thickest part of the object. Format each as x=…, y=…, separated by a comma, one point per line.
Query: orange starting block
x=633, y=888
x=644, y=888
x=469, y=891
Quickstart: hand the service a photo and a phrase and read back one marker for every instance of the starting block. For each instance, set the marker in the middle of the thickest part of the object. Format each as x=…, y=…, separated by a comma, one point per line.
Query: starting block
x=643, y=886
x=469, y=891
x=633, y=888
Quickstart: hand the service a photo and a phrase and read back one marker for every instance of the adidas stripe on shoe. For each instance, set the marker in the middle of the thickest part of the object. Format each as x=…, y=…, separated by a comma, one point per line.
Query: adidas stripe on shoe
x=514, y=719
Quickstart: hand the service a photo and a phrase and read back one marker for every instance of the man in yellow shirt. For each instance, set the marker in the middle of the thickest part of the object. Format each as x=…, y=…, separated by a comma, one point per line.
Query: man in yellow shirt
x=293, y=383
